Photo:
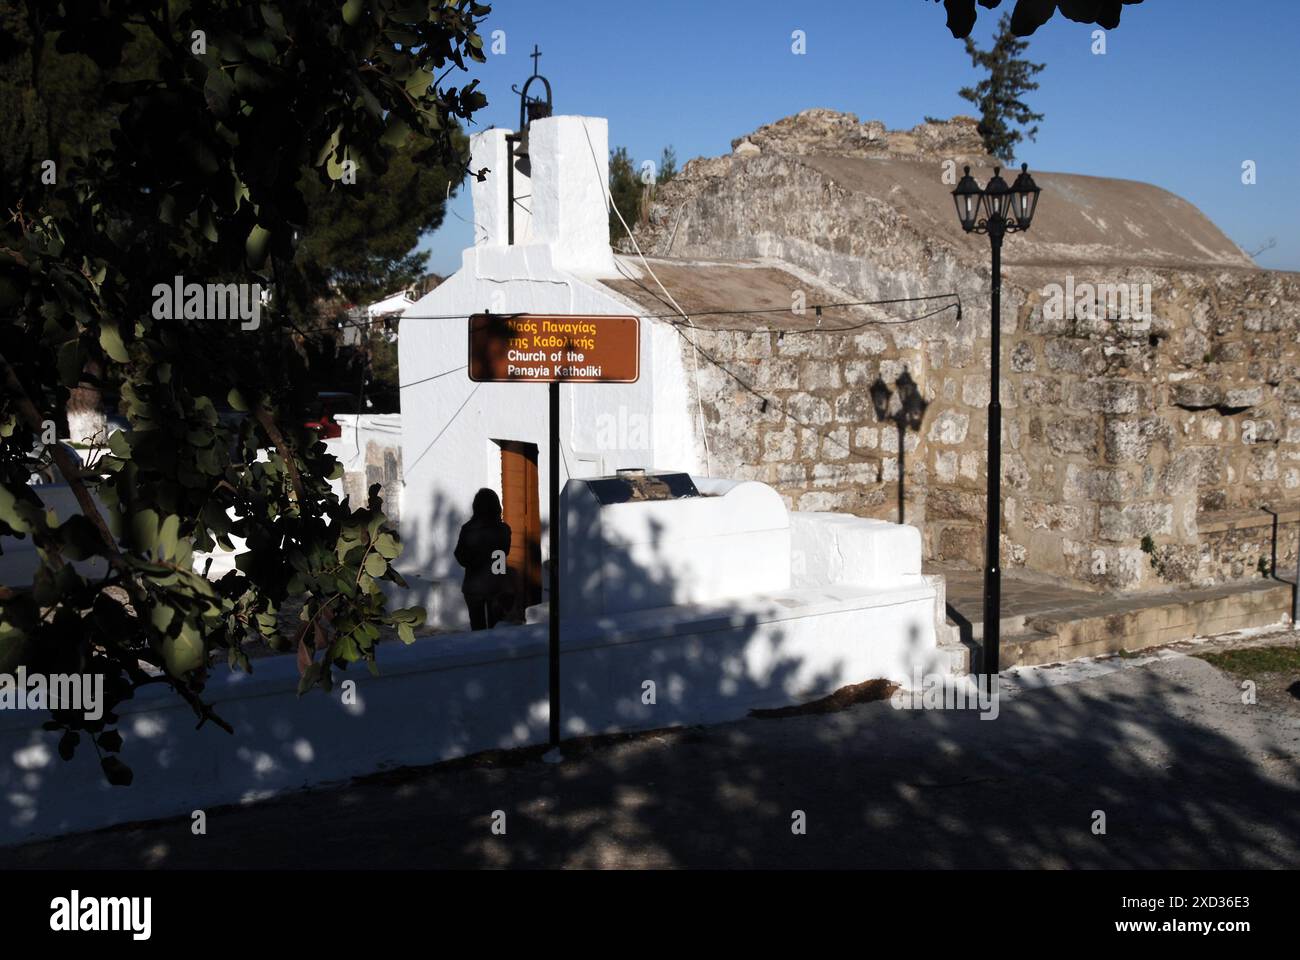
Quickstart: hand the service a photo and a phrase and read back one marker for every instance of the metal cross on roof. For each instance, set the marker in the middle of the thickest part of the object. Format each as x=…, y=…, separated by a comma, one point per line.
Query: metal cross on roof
x=530, y=107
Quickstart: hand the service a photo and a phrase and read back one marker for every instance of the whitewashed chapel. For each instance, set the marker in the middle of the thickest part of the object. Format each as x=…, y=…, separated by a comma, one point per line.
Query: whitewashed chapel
x=738, y=541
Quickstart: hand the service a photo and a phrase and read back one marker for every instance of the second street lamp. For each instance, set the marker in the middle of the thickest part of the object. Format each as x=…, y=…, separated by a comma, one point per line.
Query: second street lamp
x=908, y=416
x=996, y=209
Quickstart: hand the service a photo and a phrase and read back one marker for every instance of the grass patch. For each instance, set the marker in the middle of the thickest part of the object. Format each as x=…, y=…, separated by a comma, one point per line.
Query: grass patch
x=1252, y=660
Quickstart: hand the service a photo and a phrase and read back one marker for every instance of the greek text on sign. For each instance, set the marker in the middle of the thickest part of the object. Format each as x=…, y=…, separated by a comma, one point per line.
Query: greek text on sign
x=550, y=348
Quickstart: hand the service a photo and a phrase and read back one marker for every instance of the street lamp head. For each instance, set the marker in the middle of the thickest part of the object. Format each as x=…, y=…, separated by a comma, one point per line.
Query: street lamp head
x=968, y=196
x=912, y=409
x=1024, y=198
x=997, y=196
x=880, y=398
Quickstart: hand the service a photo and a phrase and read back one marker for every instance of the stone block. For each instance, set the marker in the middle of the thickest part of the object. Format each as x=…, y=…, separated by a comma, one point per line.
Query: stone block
x=1195, y=396
x=945, y=466
x=1134, y=521
x=1097, y=483
x=1071, y=355
x=779, y=444
x=1040, y=392
x=818, y=375
x=835, y=444
x=1056, y=517
x=853, y=406
x=860, y=373
x=1072, y=435
x=808, y=409
x=949, y=427
x=975, y=391
x=948, y=504
x=1109, y=396
x=1023, y=359
x=1015, y=471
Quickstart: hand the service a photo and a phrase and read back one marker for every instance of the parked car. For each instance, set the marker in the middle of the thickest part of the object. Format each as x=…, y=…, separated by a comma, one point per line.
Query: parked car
x=326, y=406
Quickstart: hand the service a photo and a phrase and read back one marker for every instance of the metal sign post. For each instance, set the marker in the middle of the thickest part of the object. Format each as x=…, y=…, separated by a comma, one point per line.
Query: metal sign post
x=553, y=645
x=554, y=349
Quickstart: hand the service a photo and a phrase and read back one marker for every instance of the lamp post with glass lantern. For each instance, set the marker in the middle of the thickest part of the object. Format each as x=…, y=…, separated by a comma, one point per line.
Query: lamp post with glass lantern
x=996, y=209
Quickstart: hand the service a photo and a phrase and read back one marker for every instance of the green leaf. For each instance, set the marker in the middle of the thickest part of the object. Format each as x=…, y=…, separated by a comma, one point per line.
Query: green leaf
x=256, y=245
x=406, y=634
x=144, y=529
x=217, y=90
x=352, y=12
x=12, y=513
x=183, y=653
x=310, y=677
x=418, y=82
x=376, y=565
x=167, y=536
x=111, y=340
x=162, y=616
x=411, y=615
x=387, y=546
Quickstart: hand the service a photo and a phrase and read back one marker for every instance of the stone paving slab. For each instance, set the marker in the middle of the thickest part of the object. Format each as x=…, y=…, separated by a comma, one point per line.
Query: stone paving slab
x=1048, y=623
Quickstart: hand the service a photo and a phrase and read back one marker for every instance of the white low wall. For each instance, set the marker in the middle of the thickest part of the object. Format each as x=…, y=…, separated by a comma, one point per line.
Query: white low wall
x=828, y=548
x=19, y=560
x=640, y=555
x=451, y=695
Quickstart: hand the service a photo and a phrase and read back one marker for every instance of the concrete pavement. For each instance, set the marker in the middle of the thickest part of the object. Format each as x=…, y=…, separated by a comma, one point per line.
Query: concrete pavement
x=1185, y=773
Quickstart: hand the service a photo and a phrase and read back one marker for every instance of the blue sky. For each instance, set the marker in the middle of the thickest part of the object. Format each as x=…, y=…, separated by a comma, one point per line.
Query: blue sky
x=1180, y=99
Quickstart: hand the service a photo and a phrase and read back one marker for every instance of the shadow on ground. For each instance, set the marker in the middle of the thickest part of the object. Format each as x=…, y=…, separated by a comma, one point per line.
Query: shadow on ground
x=1186, y=775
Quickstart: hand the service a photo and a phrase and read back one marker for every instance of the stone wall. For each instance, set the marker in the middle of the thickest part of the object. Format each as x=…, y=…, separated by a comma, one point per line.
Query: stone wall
x=1124, y=432
x=1113, y=432
x=370, y=449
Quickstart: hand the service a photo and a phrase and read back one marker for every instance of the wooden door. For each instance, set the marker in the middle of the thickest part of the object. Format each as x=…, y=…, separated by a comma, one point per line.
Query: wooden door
x=521, y=509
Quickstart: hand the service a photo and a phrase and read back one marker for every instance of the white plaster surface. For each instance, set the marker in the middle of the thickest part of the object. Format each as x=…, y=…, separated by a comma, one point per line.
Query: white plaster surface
x=829, y=548
x=450, y=695
x=640, y=555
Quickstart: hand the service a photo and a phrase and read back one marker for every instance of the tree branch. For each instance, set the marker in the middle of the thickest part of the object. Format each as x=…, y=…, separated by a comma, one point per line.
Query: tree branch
x=268, y=424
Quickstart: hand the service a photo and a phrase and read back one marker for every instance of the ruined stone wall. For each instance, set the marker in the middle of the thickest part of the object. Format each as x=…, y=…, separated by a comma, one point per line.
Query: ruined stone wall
x=1120, y=438
x=1126, y=435
x=1138, y=452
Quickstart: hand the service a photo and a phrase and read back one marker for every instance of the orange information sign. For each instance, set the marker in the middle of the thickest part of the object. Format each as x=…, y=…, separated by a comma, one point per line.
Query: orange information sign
x=553, y=348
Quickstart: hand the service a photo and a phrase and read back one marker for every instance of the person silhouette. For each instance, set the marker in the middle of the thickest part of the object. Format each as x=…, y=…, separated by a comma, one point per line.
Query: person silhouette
x=482, y=548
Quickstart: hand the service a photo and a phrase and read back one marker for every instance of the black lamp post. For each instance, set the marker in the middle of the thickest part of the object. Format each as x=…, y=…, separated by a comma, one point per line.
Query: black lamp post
x=908, y=415
x=996, y=210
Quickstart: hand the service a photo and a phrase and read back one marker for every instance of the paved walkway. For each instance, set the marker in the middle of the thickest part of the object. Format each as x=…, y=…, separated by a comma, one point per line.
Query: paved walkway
x=1046, y=622
x=1032, y=598
x=1185, y=773
x=1020, y=598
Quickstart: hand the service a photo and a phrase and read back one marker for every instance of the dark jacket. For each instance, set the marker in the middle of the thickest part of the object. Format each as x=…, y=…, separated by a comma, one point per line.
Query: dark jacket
x=478, y=540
